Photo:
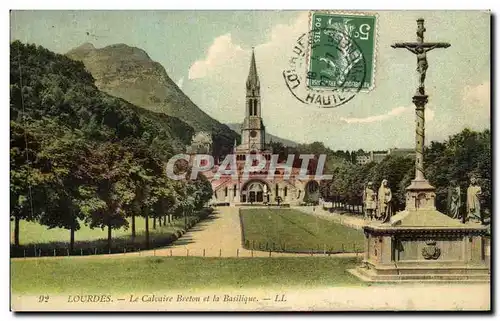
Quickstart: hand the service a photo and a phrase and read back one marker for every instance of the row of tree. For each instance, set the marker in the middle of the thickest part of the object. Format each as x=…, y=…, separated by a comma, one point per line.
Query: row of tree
x=79, y=156
x=453, y=161
x=315, y=148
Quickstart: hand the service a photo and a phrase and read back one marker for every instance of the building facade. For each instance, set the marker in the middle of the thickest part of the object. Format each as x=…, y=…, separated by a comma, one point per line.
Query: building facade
x=378, y=156
x=284, y=186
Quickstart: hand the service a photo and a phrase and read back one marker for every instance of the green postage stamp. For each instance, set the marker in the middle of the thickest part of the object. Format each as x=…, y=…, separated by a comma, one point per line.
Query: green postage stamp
x=342, y=52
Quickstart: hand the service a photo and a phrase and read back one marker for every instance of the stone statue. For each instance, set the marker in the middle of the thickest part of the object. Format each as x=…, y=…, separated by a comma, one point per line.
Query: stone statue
x=473, y=205
x=454, y=201
x=384, y=202
x=369, y=201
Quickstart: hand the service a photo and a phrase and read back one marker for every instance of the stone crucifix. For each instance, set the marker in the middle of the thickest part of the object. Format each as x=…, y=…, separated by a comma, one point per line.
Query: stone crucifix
x=420, y=49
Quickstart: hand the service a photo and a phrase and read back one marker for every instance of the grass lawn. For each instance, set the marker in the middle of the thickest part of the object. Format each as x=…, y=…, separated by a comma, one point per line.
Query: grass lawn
x=290, y=230
x=34, y=233
x=37, y=240
x=148, y=274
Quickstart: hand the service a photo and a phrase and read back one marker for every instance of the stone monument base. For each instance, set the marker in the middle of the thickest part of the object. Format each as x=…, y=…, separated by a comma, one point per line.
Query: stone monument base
x=424, y=245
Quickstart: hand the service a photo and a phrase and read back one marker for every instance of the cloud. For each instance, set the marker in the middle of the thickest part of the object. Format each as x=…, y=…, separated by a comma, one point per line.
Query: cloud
x=429, y=116
x=475, y=106
x=220, y=52
x=180, y=82
x=377, y=118
x=381, y=118
x=477, y=96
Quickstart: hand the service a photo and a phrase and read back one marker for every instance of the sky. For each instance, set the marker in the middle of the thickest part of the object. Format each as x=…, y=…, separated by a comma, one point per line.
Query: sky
x=207, y=53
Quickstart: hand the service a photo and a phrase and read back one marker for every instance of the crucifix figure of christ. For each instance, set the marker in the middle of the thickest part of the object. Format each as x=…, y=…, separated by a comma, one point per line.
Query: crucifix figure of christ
x=420, y=49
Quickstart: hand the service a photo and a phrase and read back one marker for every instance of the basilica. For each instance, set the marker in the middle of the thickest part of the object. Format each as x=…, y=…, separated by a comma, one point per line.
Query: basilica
x=284, y=186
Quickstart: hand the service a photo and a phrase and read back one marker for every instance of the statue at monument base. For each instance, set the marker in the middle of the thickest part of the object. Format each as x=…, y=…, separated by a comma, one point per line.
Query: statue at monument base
x=473, y=202
x=384, y=202
x=454, y=201
x=369, y=202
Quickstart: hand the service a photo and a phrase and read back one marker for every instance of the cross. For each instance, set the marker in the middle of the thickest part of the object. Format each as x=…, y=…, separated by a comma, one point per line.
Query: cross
x=420, y=48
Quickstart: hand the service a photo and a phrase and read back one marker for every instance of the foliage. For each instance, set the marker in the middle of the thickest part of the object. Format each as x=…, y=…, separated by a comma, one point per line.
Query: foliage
x=455, y=160
x=80, y=155
x=459, y=158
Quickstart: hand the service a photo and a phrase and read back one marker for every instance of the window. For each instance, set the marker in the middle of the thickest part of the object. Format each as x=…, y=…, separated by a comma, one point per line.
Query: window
x=285, y=192
x=234, y=190
x=225, y=191
x=252, y=104
x=253, y=107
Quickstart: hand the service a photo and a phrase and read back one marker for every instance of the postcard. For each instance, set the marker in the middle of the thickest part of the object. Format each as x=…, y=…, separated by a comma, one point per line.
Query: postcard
x=316, y=160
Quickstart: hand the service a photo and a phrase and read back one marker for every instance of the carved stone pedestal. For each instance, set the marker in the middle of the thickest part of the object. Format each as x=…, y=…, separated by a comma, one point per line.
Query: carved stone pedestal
x=420, y=195
x=423, y=245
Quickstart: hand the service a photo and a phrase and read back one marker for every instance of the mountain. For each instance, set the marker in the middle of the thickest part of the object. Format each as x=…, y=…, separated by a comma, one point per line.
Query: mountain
x=57, y=88
x=129, y=73
x=269, y=137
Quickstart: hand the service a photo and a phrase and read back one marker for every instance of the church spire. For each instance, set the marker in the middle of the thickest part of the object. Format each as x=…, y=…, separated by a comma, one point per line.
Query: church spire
x=253, y=78
x=253, y=130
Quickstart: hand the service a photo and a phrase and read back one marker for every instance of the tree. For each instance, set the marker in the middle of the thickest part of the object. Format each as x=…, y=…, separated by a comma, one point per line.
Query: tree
x=107, y=168
x=78, y=154
x=26, y=178
x=67, y=188
x=462, y=156
x=394, y=169
x=279, y=149
x=201, y=191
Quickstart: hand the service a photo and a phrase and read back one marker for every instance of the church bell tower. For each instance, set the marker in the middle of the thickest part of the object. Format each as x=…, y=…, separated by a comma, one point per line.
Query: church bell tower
x=253, y=131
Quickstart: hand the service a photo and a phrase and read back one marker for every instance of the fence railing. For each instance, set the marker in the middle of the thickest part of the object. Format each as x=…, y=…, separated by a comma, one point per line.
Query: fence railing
x=282, y=248
x=259, y=250
x=346, y=207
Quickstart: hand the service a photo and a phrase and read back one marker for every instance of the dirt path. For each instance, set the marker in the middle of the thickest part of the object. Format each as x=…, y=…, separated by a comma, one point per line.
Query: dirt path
x=220, y=235
x=217, y=236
